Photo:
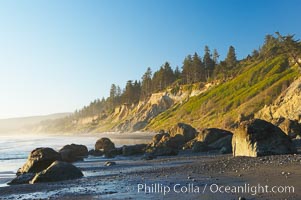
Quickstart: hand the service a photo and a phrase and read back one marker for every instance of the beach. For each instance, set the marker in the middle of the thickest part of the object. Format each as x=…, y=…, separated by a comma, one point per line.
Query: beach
x=185, y=176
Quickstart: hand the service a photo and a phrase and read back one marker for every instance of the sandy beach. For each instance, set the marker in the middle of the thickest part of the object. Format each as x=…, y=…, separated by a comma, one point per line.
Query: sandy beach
x=186, y=176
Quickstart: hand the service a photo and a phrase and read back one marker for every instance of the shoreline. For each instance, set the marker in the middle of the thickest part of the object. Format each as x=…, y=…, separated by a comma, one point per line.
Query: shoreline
x=199, y=169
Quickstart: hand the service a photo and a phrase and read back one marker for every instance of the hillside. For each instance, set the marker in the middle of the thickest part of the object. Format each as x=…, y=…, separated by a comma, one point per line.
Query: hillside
x=204, y=93
x=218, y=104
x=222, y=106
x=287, y=105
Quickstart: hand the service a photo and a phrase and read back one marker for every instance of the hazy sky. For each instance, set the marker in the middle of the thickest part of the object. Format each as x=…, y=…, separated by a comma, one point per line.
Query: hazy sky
x=57, y=56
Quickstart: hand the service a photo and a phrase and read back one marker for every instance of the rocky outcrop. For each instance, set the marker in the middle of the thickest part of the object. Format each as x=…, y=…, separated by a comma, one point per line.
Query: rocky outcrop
x=259, y=138
x=287, y=105
x=105, y=145
x=58, y=171
x=38, y=160
x=73, y=152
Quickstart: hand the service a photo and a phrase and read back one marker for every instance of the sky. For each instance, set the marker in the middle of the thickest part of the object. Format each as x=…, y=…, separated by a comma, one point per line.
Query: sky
x=57, y=56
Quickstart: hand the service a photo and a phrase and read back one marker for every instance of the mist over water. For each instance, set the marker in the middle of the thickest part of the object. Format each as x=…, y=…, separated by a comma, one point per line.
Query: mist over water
x=15, y=149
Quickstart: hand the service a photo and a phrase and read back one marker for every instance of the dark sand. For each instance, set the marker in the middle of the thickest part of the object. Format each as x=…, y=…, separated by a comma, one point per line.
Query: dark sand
x=188, y=170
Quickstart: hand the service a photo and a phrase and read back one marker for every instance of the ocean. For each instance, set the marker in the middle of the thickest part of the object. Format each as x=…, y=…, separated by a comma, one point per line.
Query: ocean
x=15, y=149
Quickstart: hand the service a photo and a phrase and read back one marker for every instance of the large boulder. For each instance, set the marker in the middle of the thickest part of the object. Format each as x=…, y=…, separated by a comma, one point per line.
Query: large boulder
x=223, y=144
x=165, y=151
x=259, y=138
x=104, y=144
x=58, y=171
x=211, y=135
x=22, y=179
x=186, y=130
x=133, y=149
x=73, y=152
x=38, y=160
x=199, y=147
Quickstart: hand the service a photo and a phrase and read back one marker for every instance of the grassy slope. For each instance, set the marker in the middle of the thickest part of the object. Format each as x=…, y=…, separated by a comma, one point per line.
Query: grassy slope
x=258, y=85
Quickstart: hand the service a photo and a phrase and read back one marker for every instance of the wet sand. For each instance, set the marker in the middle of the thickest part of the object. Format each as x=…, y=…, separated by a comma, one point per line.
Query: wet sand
x=188, y=176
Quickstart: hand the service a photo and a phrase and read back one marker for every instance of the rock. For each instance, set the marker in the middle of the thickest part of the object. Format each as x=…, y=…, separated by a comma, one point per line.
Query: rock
x=199, y=147
x=73, y=152
x=175, y=142
x=96, y=152
x=58, y=171
x=291, y=127
x=158, y=137
x=225, y=150
x=210, y=135
x=22, y=179
x=109, y=163
x=223, y=143
x=38, y=160
x=165, y=151
x=133, y=149
x=113, y=153
x=104, y=144
x=189, y=144
x=165, y=144
x=185, y=130
x=259, y=138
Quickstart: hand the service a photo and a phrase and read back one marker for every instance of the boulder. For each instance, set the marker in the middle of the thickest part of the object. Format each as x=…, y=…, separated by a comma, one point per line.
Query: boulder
x=225, y=150
x=186, y=130
x=224, y=143
x=22, y=179
x=58, y=171
x=175, y=142
x=133, y=149
x=165, y=151
x=165, y=144
x=259, y=138
x=199, y=147
x=93, y=152
x=104, y=144
x=189, y=144
x=38, y=160
x=158, y=137
x=210, y=135
x=73, y=152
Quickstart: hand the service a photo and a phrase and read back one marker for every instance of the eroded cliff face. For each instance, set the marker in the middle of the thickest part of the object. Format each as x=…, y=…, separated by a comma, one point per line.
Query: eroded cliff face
x=287, y=105
x=128, y=118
